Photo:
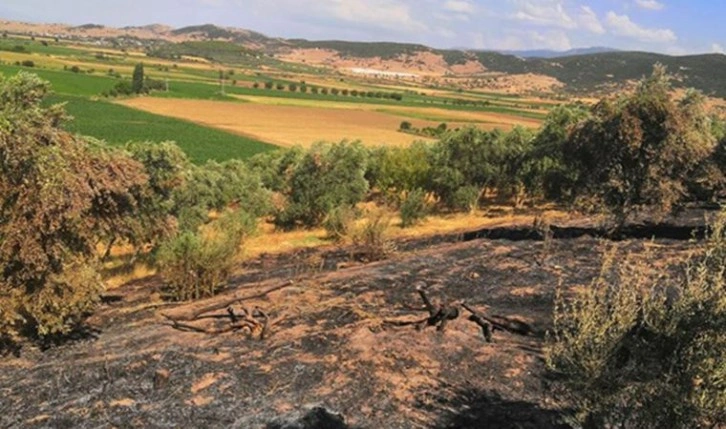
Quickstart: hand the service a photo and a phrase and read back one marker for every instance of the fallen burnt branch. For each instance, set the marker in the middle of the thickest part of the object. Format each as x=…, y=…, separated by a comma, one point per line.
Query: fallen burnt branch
x=198, y=313
x=439, y=315
x=489, y=324
x=255, y=321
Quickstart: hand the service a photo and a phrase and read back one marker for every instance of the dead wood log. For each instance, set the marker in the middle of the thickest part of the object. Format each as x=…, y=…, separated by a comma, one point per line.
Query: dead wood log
x=499, y=322
x=485, y=326
x=265, y=322
x=401, y=323
x=238, y=321
x=200, y=312
x=439, y=315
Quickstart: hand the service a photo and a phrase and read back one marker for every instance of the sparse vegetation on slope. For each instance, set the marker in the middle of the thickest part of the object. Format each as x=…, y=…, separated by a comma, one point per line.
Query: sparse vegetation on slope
x=642, y=349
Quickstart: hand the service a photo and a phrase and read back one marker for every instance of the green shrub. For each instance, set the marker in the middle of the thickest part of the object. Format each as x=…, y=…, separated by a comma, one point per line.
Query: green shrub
x=123, y=87
x=467, y=159
x=276, y=167
x=548, y=176
x=196, y=265
x=166, y=166
x=370, y=239
x=216, y=186
x=466, y=198
x=641, y=349
x=414, y=208
x=154, y=85
x=327, y=176
x=393, y=170
x=339, y=222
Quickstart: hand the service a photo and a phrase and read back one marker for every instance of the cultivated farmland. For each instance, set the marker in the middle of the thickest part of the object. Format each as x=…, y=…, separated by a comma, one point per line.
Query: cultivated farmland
x=286, y=125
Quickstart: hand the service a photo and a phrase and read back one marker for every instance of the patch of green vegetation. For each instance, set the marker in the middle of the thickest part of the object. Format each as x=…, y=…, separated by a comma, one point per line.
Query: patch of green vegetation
x=428, y=116
x=222, y=52
x=497, y=62
x=211, y=50
x=39, y=47
x=455, y=57
x=204, y=91
x=384, y=50
x=211, y=31
x=66, y=82
x=118, y=125
x=195, y=90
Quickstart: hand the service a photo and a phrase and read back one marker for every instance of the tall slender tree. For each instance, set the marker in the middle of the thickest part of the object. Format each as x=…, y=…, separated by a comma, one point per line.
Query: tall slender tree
x=137, y=80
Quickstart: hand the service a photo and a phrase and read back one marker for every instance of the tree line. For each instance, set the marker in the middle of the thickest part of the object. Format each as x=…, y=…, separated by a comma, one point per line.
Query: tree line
x=345, y=92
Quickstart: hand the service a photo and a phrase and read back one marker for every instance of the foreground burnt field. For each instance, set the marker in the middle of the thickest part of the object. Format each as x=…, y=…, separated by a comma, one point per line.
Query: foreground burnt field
x=327, y=343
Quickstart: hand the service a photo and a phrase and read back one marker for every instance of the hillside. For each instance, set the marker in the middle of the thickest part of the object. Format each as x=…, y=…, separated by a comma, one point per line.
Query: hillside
x=546, y=53
x=588, y=72
x=580, y=71
x=334, y=341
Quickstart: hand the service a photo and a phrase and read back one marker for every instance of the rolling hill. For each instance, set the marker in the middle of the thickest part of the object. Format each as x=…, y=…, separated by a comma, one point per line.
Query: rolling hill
x=546, y=53
x=582, y=70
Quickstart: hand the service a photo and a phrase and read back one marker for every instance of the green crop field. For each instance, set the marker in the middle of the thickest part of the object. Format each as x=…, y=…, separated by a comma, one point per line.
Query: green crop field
x=208, y=91
x=66, y=82
x=36, y=47
x=118, y=125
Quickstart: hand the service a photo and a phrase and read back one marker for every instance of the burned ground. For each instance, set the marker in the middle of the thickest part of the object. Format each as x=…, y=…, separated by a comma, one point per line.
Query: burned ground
x=328, y=345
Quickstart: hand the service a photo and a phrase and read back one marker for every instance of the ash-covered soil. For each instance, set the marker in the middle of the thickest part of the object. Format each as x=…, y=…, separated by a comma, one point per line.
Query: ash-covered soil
x=328, y=345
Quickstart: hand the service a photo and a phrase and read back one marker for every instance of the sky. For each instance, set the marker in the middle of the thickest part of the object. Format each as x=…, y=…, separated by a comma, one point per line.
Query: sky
x=670, y=26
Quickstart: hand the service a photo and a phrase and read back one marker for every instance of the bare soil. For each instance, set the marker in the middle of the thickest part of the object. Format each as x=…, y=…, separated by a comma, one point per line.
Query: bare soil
x=328, y=344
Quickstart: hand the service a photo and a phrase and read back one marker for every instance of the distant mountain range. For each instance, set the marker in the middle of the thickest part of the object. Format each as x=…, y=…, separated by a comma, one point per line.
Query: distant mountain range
x=544, y=53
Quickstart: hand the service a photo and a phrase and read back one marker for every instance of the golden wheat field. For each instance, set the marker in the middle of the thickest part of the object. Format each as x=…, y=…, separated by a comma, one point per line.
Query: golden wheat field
x=288, y=125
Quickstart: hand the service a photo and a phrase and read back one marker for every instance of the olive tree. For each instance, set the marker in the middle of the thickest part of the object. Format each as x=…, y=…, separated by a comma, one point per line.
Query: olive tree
x=60, y=197
x=466, y=164
x=327, y=177
x=636, y=153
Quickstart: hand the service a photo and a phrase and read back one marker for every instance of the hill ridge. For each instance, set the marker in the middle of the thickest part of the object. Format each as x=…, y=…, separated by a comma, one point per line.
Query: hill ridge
x=578, y=70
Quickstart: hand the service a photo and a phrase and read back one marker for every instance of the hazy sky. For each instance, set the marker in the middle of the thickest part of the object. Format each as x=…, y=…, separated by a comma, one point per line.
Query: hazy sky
x=672, y=26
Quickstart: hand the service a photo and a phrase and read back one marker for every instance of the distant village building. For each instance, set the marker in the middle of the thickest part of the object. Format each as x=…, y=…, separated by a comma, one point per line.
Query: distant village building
x=382, y=73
